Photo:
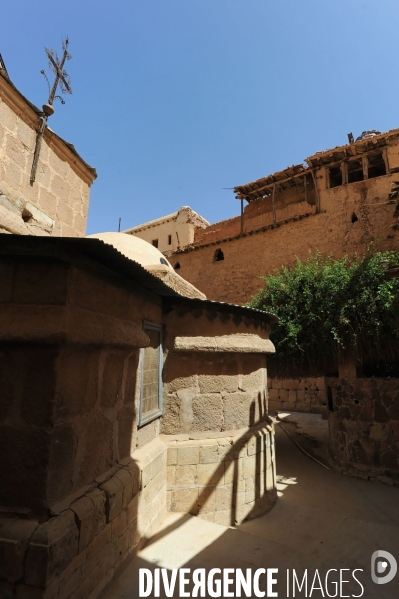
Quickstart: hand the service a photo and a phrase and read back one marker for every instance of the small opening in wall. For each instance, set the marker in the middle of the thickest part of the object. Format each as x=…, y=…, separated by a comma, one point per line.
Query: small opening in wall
x=218, y=256
x=376, y=165
x=354, y=218
x=335, y=176
x=356, y=401
x=26, y=215
x=163, y=261
x=330, y=399
x=355, y=171
x=177, y=265
x=169, y=239
x=155, y=243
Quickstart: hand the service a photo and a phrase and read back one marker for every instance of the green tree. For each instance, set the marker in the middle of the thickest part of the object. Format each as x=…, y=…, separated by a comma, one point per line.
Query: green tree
x=327, y=306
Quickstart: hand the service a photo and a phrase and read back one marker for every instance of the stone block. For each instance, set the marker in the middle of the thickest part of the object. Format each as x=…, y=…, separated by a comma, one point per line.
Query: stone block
x=225, y=517
x=171, y=474
x=217, y=383
x=210, y=474
x=224, y=497
x=283, y=394
x=14, y=537
x=132, y=510
x=113, y=489
x=207, y=412
x=249, y=466
x=237, y=411
x=87, y=522
x=172, y=456
x=186, y=475
x=119, y=526
x=52, y=547
x=187, y=454
x=292, y=395
x=98, y=548
x=126, y=478
x=300, y=394
x=121, y=549
x=273, y=394
x=207, y=499
x=185, y=500
x=72, y=576
x=209, y=452
x=226, y=450
x=254, y=380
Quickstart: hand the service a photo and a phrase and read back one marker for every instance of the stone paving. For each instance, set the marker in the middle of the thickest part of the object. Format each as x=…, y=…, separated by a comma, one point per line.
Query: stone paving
x=322, y=520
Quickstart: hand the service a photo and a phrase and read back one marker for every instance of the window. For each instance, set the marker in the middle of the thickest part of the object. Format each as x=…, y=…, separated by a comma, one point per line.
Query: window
x=155, y=243
x=376, y=165
x=169, y=239
x=151, y=375
x=177, y=265
x=218, y=256
x=335, y=173
x=355, y=171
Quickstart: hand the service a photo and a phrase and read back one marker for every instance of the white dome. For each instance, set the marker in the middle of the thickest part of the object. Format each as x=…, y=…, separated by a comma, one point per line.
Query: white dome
x=134, y=248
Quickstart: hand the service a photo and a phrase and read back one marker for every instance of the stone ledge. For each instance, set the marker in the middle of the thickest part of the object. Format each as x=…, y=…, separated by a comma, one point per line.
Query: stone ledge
x=67, y=324
x=239, y=343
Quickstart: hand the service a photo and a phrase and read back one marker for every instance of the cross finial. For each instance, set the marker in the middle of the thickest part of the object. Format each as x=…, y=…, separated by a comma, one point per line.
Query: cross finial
x=62, y=79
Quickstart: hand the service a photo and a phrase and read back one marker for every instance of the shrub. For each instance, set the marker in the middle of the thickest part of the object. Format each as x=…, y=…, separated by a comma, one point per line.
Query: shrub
x=329, y=306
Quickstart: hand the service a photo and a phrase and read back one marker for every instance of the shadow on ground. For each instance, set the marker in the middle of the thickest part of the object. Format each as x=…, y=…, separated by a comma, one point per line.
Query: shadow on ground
x=322, y=520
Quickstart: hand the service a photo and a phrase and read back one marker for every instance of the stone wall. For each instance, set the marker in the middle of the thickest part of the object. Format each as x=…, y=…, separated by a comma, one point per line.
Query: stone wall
x=351, y=216
x=219, y=392
x=224, y=479
x=75, y=553
x=57, y=202
x=299, y=394
x=68, y=368
x=364, y=427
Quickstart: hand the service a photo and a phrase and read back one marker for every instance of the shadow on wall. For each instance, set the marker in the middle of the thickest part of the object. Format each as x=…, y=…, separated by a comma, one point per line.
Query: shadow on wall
x=249, y=467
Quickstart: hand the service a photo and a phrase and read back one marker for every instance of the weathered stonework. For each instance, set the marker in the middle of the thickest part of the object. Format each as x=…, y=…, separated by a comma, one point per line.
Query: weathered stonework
x=340, y=220
x=308, y=394
x=224, y=479
x=82, y=484
x=364, y=427
x=57, y=202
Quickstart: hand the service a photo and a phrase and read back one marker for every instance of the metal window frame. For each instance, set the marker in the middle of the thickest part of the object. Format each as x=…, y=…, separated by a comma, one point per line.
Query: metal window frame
x=159, y=411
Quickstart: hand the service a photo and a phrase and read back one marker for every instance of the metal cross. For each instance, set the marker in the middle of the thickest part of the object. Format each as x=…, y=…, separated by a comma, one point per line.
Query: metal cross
x=62, y=79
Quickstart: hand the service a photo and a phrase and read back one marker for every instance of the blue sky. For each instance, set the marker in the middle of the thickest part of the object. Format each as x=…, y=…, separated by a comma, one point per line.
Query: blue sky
x=175, y=100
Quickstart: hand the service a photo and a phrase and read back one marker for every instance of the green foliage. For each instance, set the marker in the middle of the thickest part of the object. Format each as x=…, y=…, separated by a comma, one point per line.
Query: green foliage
x=328, y=306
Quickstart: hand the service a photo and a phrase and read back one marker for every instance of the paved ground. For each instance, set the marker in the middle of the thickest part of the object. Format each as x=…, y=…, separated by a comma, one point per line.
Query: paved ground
x=321, y=521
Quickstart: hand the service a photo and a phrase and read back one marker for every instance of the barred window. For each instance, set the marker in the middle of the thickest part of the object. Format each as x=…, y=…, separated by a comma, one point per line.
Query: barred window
x=151, y=375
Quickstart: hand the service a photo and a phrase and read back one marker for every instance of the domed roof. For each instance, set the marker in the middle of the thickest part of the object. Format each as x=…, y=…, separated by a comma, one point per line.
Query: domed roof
x=134, y=248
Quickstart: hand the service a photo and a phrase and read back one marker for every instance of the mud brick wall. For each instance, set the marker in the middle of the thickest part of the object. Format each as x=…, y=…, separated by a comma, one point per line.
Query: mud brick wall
x=226, y=479
x=364, y=427
x=258, y=252
x=299, y=394
x=75, y=553
x=58, y=200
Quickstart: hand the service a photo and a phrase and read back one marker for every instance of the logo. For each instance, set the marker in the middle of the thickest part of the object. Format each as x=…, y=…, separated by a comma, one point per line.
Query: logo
x=380, y=560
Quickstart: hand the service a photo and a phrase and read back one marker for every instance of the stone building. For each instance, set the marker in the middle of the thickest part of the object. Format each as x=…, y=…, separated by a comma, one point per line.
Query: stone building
x=57, y=203
x=338, y=203
x=172, y=232
x=121, y=398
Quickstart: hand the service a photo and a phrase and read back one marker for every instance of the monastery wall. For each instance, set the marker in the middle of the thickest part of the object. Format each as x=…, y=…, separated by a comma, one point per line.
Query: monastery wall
x=57, y=202
x=350, y=217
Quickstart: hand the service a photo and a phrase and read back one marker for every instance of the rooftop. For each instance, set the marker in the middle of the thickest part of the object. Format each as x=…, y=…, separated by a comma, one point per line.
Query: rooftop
x=262, y=187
